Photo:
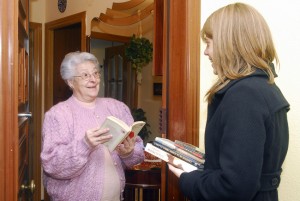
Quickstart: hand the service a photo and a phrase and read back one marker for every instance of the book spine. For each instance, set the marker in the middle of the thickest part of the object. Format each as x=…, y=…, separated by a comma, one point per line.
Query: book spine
x=178, y=154
x=170, y=144
x=166, y=142
x=189, y=148
x=165, y=156
x=190, y=155
x=194, y=153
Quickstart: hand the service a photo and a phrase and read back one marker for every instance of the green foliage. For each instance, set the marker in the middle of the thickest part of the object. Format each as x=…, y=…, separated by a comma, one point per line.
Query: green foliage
x=139, y=52
x=139, y=115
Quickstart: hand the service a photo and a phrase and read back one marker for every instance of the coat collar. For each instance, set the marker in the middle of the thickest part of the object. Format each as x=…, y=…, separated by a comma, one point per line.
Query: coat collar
x=257, y=73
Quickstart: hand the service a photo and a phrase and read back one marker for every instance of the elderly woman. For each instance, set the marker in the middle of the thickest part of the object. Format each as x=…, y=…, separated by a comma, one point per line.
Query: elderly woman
x=76, y=164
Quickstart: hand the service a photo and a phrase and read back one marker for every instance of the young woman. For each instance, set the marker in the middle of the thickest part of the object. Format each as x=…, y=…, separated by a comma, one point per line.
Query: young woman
x=246, y=136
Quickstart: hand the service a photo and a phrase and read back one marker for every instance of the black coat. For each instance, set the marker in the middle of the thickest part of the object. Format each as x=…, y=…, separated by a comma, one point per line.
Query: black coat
x=246, y=141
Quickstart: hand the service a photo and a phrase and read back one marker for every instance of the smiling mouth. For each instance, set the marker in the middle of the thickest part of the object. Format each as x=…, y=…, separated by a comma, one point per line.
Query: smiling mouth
x=91, y=87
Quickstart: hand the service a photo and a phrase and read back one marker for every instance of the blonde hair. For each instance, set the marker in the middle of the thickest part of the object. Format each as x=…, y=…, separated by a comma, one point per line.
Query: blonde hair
x=242, y=42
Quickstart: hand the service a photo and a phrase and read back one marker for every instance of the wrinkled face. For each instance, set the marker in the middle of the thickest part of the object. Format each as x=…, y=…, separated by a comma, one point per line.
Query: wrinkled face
x=209, y=52
x=85, y=84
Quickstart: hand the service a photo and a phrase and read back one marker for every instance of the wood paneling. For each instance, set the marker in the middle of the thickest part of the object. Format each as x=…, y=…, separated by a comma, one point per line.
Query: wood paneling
x=9, y=48
x=181, y=50
x=35, y=94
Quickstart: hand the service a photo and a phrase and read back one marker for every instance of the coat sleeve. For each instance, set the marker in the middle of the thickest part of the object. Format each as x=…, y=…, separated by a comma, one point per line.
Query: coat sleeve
x=237, y=167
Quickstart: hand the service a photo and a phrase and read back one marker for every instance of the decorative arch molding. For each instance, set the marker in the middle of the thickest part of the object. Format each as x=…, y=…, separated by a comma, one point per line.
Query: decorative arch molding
x=138, y=16
x=125, y=19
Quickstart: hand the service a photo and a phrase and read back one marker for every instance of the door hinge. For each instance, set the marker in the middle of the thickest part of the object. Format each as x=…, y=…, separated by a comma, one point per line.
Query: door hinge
x=163, y=121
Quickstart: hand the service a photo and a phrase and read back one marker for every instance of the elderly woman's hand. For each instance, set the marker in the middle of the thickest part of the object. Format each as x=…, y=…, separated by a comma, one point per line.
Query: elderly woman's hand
x=124, y=149
x=96, y=136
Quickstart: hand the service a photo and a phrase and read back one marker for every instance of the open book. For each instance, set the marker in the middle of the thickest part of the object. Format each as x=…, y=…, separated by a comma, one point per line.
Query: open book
x=120, y=130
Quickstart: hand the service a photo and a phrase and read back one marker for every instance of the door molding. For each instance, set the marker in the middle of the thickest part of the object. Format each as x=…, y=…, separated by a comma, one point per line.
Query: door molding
x=181, y=80
x=35, y=63
x=49, y=33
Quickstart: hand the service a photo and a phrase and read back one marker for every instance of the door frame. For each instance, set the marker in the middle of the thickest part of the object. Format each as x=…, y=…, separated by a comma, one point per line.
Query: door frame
x=9, y=135
x=49, y=34
x=181, y=80
x=9, y=100
x=35, y=91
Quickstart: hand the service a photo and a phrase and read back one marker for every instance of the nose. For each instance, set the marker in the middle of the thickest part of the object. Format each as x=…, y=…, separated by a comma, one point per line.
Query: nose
x=92, y=78
x=206, y=52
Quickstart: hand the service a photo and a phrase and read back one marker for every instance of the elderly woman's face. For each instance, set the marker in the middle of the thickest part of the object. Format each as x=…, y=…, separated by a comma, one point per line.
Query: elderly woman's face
x=86, y=82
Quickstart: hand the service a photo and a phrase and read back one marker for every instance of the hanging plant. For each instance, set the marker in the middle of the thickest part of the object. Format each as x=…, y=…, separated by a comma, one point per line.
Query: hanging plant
x=139, y=52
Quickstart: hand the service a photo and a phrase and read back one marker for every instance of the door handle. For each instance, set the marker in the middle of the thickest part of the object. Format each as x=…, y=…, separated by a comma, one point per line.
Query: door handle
x=28, y=115
x=30, y=186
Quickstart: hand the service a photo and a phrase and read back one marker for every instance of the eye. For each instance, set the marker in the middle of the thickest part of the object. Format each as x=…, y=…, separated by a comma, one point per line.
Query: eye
x=96, y=74
x=85, y=75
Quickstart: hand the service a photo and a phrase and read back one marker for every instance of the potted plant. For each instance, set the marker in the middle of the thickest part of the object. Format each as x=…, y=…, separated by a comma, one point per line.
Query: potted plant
x=139, y=52
x=139, y=115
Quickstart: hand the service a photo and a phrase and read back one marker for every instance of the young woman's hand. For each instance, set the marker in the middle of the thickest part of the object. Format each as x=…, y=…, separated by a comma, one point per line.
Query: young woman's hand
x=96, y=136
x=175, y=170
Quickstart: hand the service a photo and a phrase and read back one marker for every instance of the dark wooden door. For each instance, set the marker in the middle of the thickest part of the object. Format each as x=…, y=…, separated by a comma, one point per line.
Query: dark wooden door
x=62, y=36
x=19, y=168
x=119, y=77
x=26, y=183
x=66, y=39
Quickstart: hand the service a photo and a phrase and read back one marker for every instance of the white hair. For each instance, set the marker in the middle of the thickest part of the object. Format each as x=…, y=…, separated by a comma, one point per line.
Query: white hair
x=72, y=60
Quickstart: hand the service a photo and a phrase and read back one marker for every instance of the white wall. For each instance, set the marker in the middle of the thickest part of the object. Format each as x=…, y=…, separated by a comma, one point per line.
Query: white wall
x=93, y=9
x=147, y=100
x=284, y=21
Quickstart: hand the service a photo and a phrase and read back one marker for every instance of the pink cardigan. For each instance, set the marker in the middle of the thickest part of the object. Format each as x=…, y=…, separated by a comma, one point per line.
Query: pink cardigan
x=72, y=169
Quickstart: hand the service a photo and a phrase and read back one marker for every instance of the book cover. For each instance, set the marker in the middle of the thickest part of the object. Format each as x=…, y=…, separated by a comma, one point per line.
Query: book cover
x=190, y=148
x=179, y=155
x=119, y=130
x=169, y=158
x=170, y=144
x=166, y=142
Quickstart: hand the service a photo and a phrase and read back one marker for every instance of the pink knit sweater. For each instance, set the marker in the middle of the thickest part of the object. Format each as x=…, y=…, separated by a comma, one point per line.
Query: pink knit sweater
x=72, y=169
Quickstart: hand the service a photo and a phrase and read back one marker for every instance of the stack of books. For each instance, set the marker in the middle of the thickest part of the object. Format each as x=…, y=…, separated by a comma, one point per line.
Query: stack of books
x=180, y=154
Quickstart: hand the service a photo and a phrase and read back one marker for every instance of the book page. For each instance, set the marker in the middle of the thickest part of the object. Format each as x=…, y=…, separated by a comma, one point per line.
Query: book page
x=137, y=127
x=117, y=130
x=119, y=121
